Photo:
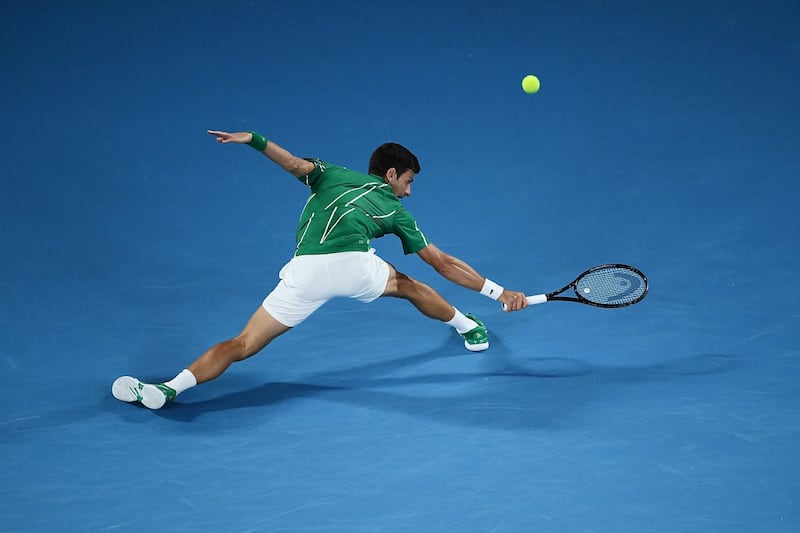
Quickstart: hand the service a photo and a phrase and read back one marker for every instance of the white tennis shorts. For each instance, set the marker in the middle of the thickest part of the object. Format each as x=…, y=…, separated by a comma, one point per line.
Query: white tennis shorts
x=308, y=281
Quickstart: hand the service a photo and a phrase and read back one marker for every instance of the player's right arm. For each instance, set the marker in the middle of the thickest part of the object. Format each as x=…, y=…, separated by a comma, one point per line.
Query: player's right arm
x=454, y=269
x=296, y=166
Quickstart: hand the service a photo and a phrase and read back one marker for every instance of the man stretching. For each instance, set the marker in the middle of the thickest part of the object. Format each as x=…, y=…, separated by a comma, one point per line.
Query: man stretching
x=345, y=210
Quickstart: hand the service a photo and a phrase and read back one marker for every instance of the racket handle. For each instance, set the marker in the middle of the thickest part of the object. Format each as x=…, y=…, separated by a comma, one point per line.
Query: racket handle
x=537, y=299
x=532, y=300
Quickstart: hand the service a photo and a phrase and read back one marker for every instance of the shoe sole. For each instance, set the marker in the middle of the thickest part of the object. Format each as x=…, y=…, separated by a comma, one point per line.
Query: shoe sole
x=129, y=389
x=476, y=347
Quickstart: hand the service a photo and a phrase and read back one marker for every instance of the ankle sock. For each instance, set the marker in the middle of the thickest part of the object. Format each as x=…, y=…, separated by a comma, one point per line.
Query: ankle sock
x=461, y=322
x=181, y=382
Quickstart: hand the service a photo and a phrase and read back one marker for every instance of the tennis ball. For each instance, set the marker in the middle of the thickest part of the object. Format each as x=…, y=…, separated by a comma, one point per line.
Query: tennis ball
x=530, y=84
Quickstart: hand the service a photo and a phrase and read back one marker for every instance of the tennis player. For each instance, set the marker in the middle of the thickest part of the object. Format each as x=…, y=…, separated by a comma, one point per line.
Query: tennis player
x=333, y=258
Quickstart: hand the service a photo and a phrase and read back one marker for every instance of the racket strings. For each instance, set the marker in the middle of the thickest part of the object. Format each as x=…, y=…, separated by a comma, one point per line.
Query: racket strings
x=611, y=285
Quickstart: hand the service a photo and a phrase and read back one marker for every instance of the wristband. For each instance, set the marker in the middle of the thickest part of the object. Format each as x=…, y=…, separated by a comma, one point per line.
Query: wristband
x=491, y=289
x=259, y=142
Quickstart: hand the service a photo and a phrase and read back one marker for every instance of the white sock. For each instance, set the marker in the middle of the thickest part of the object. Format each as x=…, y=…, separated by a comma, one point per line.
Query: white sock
x=181, y=382
x=461, y=322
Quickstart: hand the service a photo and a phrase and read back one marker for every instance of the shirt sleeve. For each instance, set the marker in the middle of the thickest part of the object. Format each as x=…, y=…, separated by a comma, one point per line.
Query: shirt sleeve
x=405, y=227
x=315, y=175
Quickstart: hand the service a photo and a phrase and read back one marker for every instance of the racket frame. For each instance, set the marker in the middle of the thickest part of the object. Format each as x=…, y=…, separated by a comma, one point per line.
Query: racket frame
x=553, y=296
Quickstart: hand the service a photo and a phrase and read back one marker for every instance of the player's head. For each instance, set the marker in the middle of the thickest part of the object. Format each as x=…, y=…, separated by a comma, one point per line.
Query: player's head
x=397, y=165
x=392, y=155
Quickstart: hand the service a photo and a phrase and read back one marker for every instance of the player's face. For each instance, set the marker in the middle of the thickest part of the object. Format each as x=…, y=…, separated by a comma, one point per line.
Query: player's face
x=401, y=185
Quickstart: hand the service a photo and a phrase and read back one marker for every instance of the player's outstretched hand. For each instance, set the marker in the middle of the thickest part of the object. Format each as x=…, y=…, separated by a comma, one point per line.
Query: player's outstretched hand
x=513, y=301
x=242, y=137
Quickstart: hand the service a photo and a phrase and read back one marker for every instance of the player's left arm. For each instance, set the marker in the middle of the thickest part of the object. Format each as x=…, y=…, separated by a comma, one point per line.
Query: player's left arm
x=459, y=272
x=296, y=166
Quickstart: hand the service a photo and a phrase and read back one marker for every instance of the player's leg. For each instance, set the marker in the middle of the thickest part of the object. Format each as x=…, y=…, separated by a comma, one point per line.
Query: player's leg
x=292, y=300
x=433, y=305
x=429, y=302
x=260, y=330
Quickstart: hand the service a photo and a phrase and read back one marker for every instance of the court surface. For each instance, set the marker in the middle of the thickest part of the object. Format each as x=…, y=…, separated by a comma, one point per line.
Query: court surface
x=665, y=135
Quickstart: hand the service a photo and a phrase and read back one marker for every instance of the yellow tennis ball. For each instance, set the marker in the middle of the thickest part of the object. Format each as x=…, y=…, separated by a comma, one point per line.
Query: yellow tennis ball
x=530, y=84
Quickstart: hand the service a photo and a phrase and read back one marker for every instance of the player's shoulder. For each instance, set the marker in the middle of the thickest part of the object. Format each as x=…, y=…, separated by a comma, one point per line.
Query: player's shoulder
x=320, y=165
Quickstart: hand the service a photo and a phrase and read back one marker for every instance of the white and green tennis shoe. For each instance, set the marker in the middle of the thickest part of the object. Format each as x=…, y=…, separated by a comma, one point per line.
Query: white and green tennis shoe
x=476, y=339
x=130, y=389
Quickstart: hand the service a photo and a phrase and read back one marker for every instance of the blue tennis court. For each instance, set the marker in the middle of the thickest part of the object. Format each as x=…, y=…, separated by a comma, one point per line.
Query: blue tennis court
x=665, y=135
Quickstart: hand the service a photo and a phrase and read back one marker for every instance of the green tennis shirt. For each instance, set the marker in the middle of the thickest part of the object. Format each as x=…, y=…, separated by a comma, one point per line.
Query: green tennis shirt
x=346, y=209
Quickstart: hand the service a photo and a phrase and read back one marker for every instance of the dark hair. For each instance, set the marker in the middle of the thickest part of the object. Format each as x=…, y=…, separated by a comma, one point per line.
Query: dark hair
x=392, y=155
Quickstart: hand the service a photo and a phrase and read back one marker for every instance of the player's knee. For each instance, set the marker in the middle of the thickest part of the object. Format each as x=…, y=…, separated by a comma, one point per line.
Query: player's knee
x=405, y=285
x=245, y=347
x=408, y=287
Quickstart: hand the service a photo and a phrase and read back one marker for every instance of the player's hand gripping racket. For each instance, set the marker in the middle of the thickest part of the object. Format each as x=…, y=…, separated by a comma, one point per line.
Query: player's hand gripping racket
x=601, y=286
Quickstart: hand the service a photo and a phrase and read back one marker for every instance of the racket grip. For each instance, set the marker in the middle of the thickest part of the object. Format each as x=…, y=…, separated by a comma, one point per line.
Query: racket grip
x=537, y=299
x=532, y=300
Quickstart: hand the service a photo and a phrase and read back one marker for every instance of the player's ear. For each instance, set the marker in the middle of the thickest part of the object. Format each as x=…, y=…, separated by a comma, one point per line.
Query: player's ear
x=391, y=174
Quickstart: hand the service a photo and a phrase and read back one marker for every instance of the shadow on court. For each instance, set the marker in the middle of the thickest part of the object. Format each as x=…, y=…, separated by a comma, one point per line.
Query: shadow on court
x=507, y=393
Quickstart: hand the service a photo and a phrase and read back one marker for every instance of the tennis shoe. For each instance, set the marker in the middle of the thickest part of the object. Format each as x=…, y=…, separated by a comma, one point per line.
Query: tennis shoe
x=476, y=339
x=129, y=389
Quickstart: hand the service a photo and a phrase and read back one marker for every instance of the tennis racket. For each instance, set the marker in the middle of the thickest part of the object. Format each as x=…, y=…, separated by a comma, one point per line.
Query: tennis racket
x=602, y=286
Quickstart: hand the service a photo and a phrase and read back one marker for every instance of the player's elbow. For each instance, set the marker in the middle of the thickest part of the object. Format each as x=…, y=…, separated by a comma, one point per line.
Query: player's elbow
x=444, y=268
x=441, y=262
x=293, y=166
x=297, y=166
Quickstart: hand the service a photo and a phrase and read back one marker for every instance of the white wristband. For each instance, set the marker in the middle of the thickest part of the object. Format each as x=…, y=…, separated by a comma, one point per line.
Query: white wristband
x=491, y=289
